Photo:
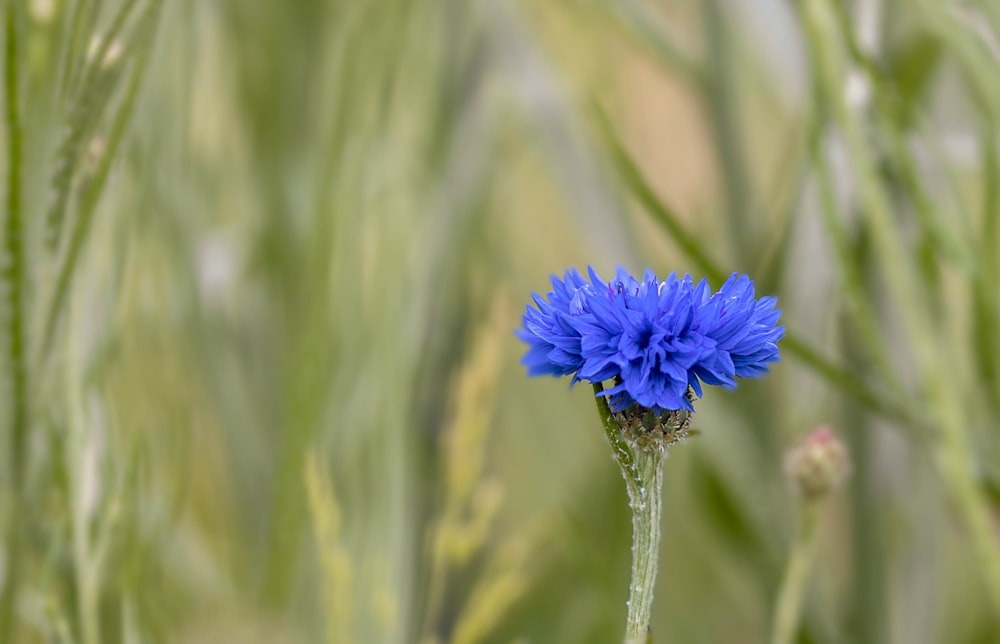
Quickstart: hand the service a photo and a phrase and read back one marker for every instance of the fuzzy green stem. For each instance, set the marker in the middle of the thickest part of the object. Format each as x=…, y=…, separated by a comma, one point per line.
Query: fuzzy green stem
x=645, y=499
x=642, y=468
x=793, y=585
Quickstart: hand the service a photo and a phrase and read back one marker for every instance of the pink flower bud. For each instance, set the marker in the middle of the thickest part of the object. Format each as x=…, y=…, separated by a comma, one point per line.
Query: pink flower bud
x=819, y=464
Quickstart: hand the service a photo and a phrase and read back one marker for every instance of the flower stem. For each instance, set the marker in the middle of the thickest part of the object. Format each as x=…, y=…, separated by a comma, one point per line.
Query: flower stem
x=642, y=467
x=645, y=498
x=793, y=586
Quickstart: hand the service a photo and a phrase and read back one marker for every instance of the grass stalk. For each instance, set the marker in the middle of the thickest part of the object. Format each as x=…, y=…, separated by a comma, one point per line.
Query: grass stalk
x=719, y=90
x=793, y=584
x=867, y=604
x=90, y=199
x=863, y=315
x=96, y=87
x=80, y=21
x=985, y=301
x=837, y=376
x=951, y=452
x=13, y=278
x=952, y=459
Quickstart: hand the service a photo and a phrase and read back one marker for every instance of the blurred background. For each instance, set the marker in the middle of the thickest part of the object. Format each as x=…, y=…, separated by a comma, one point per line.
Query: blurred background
x=262, y=264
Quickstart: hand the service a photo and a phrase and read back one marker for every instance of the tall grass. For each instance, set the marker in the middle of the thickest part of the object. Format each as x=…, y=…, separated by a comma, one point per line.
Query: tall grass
x=260, y=264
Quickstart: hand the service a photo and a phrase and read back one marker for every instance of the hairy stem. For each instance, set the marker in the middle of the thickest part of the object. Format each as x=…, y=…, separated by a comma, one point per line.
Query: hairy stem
x=646, y=501
x=642, y=468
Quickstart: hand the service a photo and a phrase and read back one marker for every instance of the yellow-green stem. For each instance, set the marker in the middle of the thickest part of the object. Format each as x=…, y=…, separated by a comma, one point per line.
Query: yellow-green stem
x=793, y=586
x=952, y=460
x=13, y=280
x=645, y=499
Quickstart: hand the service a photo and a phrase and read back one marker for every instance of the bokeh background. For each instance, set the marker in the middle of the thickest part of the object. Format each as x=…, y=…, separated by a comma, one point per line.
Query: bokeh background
x=262, y=264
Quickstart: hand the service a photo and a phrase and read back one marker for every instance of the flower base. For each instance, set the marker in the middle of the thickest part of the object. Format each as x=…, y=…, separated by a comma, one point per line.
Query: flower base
x=639, y=439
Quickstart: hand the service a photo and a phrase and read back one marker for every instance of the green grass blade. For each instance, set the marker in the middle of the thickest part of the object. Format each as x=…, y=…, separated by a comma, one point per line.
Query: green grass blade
x=100, y=77
x=14, y=362
x=93, y=190
x=985, y=301
x=647, y=197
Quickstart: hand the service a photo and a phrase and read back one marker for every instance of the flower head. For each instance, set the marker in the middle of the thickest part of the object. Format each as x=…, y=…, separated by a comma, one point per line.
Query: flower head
x=654, y=338
x=550, y=331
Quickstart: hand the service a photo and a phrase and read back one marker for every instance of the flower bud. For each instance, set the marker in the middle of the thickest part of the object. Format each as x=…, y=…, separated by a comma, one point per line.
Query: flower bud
x=818, y=465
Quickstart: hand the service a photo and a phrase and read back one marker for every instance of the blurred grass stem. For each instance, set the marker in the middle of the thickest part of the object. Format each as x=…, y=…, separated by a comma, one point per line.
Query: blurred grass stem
x=793, y=585
x=91, y=197
x=951, y=453
x=836, y=375
x=13, y=277
x=720, y=96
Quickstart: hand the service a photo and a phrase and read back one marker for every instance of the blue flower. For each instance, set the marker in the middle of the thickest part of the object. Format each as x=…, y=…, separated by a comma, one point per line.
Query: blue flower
x=654, y=339
x=550, y=328
x=742, y=326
